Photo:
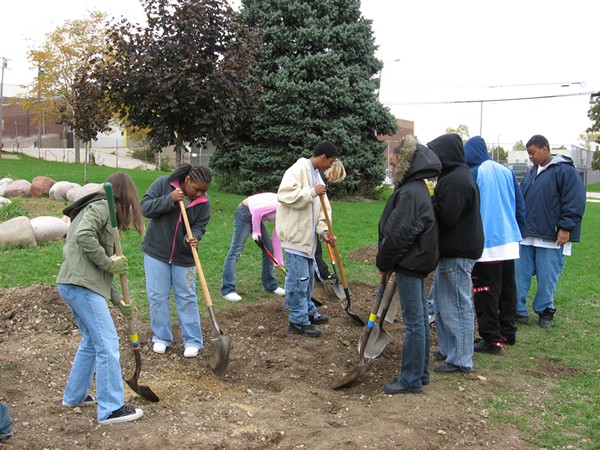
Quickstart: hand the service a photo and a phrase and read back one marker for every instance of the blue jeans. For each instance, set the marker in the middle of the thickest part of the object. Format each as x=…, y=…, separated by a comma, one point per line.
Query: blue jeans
x=415, y=350
x=546, y=264
x=430, y=300
x=160, y=277
x=98, y=351
x=454, y=316
x=5, y=423
x=242, y=227
x=298, y=288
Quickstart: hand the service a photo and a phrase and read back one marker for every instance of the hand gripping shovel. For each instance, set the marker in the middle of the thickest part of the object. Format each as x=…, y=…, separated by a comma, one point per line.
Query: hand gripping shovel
x=220, y=347
x=337, y=288
x=359, y=370
x=380, y=338
x=139, y=389
x=345, y=306
x=277, y=264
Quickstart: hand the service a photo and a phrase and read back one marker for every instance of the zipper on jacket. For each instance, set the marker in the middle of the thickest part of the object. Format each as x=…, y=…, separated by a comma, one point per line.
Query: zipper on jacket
x=174, y=238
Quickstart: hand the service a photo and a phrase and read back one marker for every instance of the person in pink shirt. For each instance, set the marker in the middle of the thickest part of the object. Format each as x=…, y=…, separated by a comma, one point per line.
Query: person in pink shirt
x=250, y=216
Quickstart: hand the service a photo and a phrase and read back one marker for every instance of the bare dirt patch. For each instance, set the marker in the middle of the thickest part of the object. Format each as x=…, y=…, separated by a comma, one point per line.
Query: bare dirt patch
x=275, y=393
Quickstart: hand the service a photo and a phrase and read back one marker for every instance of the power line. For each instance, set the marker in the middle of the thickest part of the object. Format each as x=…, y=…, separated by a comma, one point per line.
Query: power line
x=513, y=99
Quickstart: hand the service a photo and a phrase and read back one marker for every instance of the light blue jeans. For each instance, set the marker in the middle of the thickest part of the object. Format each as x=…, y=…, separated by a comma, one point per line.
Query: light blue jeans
x=160, y=277
x=546, y=264
x=454, y=316
x=415, y=350
x=242, y=228
x=298, y=288
x=5, y=423
x=98, y=351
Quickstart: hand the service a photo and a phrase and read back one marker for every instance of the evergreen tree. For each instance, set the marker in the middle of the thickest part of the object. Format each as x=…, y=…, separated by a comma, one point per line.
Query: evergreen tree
x=317, y=71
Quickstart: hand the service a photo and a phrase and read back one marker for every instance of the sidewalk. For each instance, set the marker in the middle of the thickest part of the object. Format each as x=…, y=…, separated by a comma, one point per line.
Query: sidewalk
x=103, y=156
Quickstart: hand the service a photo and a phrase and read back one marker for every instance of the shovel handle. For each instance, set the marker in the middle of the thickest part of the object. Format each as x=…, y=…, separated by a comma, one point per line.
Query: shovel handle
x=273, y=260
x=188, y=230
x=338, y=259
x=133, y=337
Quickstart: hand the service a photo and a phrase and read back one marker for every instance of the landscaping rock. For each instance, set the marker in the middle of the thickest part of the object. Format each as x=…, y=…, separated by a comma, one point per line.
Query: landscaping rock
x=17, y=232
x=48, y=228
x=59, y=190
x=3, y=183
x=40, y=186
x=4, y=201
x=17, y=188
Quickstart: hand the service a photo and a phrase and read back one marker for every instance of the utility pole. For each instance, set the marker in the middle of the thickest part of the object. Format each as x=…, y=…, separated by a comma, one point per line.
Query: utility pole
x=39, y=125
x=4, y=65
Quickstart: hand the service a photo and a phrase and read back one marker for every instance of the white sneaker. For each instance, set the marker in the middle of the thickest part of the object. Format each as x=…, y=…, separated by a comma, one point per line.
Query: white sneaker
x=232, y=297
x=279, y=291
x=190, y=352
x=159, y=347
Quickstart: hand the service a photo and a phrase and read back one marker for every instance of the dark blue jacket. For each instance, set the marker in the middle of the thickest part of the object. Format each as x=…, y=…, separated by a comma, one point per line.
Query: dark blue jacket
x=554, y=200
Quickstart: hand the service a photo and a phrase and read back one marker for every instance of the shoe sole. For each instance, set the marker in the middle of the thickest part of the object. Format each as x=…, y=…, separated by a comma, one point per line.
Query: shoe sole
x=122, y=419
x=305, y=335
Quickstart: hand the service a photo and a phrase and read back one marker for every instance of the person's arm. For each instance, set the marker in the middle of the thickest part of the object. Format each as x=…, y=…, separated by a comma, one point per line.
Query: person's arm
x=201, y=221
x=295, y=191
x=519, y=204
x=95, y=218
x=157, y=200
x=572, y=202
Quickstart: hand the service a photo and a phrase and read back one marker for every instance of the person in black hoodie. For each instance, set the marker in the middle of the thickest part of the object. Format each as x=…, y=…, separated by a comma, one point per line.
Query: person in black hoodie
x=408, y=245
x=456, y=203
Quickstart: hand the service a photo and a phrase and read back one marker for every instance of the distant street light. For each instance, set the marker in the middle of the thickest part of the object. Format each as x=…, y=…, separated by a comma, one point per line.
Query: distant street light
x=4, y=66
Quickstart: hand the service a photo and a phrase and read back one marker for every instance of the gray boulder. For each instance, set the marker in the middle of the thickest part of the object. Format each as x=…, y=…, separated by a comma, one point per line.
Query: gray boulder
x=17, y=232
x=87, y=189
x=59, y=190
x=48, y=228
x=17, y=188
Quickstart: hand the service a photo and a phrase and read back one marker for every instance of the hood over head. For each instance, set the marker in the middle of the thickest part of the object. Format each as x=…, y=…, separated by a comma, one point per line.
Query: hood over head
x=476, y=151
x=449, y=149
x=415, y=162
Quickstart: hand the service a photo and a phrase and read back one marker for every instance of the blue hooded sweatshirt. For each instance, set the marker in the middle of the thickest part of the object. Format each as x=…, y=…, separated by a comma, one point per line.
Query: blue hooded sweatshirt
x=502, y=206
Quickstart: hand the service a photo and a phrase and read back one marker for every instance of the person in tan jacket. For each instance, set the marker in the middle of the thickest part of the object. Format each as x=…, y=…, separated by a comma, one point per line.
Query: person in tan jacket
x=300, y=223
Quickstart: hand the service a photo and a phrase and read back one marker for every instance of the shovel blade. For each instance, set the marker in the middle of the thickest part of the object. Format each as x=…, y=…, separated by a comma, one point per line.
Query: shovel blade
x=219, y=355
x=140, y=389
x=376, y=346
x=338, y=290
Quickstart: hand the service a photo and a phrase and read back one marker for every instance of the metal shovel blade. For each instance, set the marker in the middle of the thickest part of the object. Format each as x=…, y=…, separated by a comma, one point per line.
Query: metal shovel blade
x=354, y=374
x=140, y=389
x=379, y=337
x=219, y=355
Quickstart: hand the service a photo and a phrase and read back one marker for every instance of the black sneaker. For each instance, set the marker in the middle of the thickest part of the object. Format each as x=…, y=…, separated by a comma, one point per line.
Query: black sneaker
x=397, y=388
x=451, y=368
x=318, y=320
x=521, y=319
x=483, y=346
x=330, y=277
x=437, y=355
x=89, y=400
x=509, y=340
x=123, y=414
x=304, y=330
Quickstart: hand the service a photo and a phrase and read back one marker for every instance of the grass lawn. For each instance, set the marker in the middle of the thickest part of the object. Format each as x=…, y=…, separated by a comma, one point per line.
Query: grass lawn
x=564, y=360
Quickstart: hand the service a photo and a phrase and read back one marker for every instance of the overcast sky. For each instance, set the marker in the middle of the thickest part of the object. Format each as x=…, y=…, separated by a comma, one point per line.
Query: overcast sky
x=445, y=62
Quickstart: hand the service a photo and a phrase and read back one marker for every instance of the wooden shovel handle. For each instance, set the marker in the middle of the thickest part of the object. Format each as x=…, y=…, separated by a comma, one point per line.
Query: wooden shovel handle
x=338, y=259
x=195, y=254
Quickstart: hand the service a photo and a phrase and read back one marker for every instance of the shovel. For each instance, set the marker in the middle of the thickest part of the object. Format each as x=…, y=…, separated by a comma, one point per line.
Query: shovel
x=359, y=370
x=380, y=338
x=277, y=264
x=338, y=289
x=345, y=306
x=140, y=389
x=220, y=347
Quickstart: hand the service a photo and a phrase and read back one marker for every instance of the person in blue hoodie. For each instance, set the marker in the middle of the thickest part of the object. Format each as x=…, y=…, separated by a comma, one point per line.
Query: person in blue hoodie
x=554, y=201
x=502, y=211
x=456, y=204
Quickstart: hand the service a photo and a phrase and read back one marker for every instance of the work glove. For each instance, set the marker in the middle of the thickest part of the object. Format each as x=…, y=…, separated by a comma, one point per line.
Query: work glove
x=118, y=265
x=126, y=310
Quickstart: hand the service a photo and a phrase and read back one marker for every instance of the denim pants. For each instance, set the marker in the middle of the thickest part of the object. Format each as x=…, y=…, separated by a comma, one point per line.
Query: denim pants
x=546, y=264
x=98, y=351
x=5, y=423
x=242, y=227
x=298, y=288
x=160, y=277
x=495, y=299
x=415, y=350
x=454, y=316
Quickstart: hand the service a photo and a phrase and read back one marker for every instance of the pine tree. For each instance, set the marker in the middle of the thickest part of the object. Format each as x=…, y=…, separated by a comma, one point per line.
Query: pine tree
x=317, y=71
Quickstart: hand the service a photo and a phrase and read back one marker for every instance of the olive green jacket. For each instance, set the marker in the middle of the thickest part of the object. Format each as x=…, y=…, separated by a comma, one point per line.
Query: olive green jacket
x=88, y=249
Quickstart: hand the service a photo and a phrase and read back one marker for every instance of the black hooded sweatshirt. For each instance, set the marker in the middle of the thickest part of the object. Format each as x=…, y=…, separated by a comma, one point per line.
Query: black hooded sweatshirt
x=408, y=232
x=456, y=201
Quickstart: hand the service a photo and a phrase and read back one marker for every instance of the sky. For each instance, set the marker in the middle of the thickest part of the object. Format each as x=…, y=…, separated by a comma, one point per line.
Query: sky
x=445, y=63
